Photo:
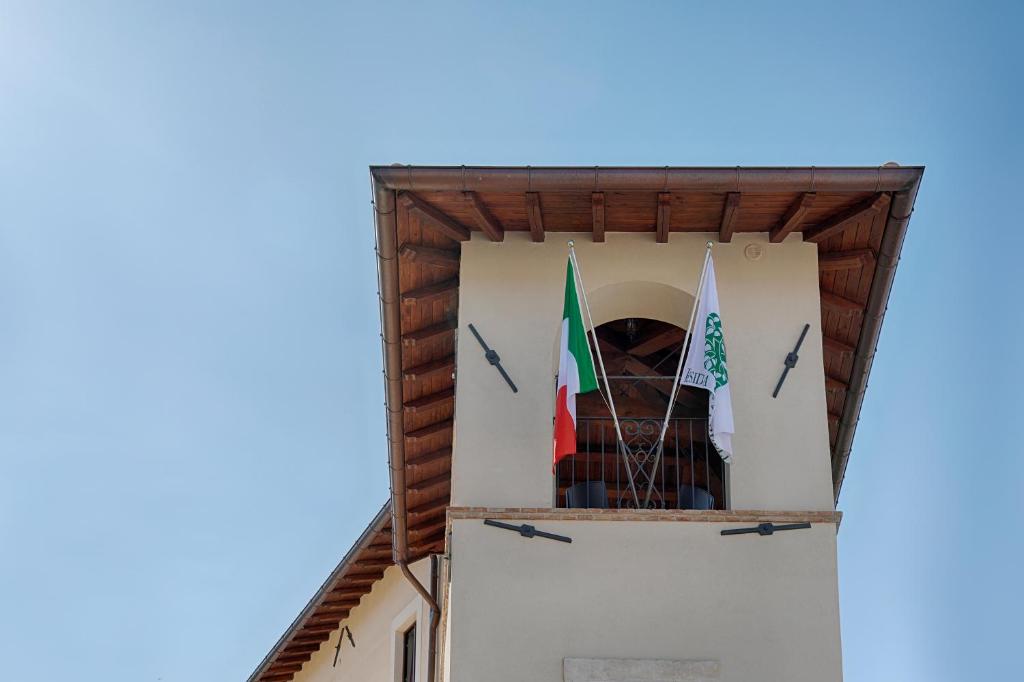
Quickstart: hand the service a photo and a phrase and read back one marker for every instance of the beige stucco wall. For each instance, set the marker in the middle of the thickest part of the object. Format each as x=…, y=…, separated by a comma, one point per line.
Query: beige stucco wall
x=766, y=608
x=512, y=293
x=388, y=609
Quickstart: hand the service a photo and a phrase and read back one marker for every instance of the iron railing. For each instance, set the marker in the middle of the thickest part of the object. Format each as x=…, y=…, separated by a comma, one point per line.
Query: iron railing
x=688, y=459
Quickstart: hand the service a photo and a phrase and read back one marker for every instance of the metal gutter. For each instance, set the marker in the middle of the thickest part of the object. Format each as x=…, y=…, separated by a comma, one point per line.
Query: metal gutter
x=384, y=204
x=378, y=523
x=900, y=209
x=889, y=178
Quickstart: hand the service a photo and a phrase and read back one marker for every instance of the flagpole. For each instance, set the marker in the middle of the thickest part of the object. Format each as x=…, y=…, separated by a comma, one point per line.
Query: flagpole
x=687, y=335
x=600, y=362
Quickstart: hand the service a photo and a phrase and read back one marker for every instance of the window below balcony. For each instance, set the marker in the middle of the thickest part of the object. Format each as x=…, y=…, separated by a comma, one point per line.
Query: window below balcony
x=685, y=472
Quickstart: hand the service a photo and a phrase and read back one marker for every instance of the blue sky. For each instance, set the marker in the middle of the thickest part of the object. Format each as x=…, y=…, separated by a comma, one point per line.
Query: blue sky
x=191, y=423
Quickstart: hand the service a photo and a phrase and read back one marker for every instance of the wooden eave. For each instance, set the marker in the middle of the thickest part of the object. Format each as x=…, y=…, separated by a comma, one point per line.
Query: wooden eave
x=856, y=215
x=362, y=566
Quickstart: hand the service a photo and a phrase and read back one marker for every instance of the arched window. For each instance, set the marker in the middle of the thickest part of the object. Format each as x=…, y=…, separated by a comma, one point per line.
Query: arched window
x=640, y=357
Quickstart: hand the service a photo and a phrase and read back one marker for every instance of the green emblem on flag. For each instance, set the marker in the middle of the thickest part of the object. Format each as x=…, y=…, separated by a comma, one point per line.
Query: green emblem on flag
x=714, y=350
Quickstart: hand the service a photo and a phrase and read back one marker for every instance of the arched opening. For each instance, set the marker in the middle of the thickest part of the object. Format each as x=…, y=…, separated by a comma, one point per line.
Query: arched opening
x=640, y=357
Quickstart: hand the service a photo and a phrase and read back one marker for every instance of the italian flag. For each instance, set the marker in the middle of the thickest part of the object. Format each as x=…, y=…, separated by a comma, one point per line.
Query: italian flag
x=575, y=370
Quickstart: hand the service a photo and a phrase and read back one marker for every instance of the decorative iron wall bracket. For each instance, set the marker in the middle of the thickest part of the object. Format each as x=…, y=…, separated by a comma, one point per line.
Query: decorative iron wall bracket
x=341, y=638
x=790, y=361
x=492, y=357
x=766, y=528
x=527, y=531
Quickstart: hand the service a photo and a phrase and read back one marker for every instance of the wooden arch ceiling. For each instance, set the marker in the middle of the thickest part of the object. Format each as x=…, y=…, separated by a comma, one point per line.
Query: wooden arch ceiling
x=846, y=212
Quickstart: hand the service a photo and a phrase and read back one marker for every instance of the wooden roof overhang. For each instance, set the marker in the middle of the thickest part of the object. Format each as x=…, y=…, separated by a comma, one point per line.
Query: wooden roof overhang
x=857, y=216
x=362, y=566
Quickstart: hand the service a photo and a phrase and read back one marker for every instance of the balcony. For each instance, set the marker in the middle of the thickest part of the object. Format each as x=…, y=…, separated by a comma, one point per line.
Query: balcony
x=688, y=475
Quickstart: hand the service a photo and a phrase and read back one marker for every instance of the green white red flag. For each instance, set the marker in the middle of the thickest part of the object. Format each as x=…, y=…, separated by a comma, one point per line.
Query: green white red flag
x=705, y=365
x=575, y=370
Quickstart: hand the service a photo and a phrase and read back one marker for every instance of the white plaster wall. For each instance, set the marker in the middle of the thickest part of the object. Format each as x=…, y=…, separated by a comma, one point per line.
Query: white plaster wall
x=512, y=293
x=765, y=608
x=373, y=622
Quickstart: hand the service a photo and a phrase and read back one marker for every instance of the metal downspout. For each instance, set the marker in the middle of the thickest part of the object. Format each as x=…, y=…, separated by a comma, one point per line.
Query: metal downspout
x=384, y=201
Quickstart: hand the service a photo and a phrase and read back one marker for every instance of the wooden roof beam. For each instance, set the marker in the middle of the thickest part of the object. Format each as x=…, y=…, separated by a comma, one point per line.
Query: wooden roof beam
x=435, y=332
x=845, y=260
x=664, y=216
x=427, y=507
x=597, y=208
x=428, y=527
x=300, y=648
x=429, y=402
x=426, y=255
x=431, y=292
x=840, y=304
x=652, y=343
x=346, y=593
x=836, y=347
x=284, y=668
x=793, y=218
x=535, y=216
x=429, y=458
x=441, y=221
x=835, y=385
x=836, y=224
x=431, y=430
x=428, y=483
x=730, y=212
x=484, y=218
x=444, y=365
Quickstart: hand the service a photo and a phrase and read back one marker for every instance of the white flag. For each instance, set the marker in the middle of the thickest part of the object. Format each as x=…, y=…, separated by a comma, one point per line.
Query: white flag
x=705, y=365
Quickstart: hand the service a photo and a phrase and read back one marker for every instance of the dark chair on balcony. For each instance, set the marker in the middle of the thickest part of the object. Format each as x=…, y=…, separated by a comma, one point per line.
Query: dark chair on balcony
x=695, y=497
x=587, y=495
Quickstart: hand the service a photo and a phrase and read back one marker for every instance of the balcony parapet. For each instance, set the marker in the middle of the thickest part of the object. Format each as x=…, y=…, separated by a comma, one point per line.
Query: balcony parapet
x=662, y=515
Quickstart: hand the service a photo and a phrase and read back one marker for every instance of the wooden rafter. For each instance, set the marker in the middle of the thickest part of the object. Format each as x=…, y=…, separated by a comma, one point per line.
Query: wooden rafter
x=845, y=260
x=428, y=483
x=730, y=212
x=430, y=430
x=836, y=347
x=834, y=225
x=427, y=255
x=840, y=304
x=664, y=216
x=613, y=354
x=427, y=369
x=430, y=401
x=427, y=507
x=659, y=340
x=429, y=458
x=793, y=218
x=597, y=208
x=484, y=218
x=431, y=292
x=535, y=216
x=835, y=385
x=439, y=220
x=441, y=330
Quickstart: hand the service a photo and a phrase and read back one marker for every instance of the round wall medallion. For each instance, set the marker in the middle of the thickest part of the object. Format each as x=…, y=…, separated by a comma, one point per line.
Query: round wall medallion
x=754, y=251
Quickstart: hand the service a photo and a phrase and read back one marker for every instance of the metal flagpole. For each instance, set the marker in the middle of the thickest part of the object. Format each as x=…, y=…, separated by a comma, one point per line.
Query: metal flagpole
x=679, y=368
x=600, y=361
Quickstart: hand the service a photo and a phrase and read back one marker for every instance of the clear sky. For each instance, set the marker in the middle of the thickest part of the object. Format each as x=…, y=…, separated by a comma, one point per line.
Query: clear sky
x=191, y=421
